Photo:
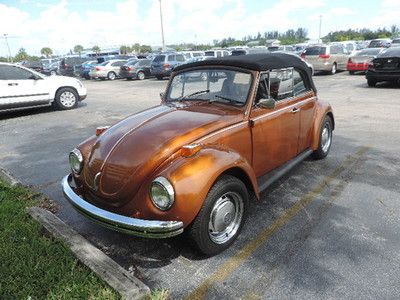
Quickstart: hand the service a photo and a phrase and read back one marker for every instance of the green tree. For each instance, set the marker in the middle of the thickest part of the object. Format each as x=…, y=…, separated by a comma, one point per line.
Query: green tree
x=46, y=51
x=78, y=49
x=125, y=49
x=145, y=49
x=96, y=49
x=21, y=55
x=136, y=47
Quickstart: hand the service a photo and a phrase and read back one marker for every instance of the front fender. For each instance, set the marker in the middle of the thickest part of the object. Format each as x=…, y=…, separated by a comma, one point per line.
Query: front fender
x=322, y=110
x=193, y=177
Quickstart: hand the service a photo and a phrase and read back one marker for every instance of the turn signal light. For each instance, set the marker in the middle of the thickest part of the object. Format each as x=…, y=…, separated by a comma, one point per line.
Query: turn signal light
x=190, y=150
x=166, y=66
x=101, y=129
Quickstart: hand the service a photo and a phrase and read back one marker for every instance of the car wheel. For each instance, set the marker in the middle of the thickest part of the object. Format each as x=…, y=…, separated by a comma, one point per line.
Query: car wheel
x=52, y=73
x=140, y=75
x=221, y=217
x=159, y=77
x=111, y=75
x=371, y=82
x=351, y=72
x=66, y=98
x=203, y=76
x=325, y=139
x=333, y=69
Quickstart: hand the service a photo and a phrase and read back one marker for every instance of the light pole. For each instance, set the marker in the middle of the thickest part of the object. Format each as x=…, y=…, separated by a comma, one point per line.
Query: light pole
x=320, y=25
x=8, y=47
x=162, y=28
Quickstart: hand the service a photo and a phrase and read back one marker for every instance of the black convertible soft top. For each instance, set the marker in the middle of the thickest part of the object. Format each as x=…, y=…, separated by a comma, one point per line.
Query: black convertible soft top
x=257, y=62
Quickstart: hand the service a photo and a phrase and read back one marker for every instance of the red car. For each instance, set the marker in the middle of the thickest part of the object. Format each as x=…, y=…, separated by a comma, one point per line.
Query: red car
x=360, y=60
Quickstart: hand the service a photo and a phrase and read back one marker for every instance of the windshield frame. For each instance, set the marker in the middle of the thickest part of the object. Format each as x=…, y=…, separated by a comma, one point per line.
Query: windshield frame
x=167, y=100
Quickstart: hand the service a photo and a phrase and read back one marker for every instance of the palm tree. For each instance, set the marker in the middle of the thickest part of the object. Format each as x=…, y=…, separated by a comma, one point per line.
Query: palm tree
x=78, y=49
x=46, y=51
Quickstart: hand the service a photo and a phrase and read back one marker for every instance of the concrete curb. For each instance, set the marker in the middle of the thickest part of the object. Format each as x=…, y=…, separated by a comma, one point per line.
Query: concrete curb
x=117, y=277
x=9, y=178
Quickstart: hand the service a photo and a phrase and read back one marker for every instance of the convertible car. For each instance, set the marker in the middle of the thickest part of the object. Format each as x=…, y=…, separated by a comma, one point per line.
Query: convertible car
x=195, y=162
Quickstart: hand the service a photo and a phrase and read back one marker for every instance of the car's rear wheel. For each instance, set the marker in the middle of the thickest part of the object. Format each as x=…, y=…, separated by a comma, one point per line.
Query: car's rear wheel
x=325, y=139
x=351, y=72
x=333, y=69
x=140, y=75
x=221, y=217
x=111, y=75
x=66, y=98
x=371, y=82
x=52, y=73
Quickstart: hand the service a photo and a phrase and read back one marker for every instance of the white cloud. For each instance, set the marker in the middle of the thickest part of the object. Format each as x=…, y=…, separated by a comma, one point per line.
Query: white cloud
x=341, y=11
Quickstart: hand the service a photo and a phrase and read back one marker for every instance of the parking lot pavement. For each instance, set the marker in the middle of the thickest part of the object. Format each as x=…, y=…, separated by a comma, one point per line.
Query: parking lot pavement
x=327, y=230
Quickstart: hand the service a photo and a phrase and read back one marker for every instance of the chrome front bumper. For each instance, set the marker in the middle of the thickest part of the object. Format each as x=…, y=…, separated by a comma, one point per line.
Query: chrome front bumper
x=137, y=227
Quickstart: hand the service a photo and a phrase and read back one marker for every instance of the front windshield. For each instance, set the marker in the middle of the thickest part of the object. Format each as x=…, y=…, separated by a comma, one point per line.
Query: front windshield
x=213, y=85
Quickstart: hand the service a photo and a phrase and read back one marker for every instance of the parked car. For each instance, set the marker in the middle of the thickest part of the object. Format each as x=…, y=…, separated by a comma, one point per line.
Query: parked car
x=395, y=43
x=192, y=54
x=380, y=43
x=137, y=69
x=215, y=145
x=385, y=67
x=48, y=61
x=286, y=48
x=217, y=53
x=33, y=65
x=52, y=69
x=326, y=58
x=163, y=64
x=107, y=70
x=21, y=87
x=249, y=51
x=68, y=64
x=84, y=69
x=361, y=59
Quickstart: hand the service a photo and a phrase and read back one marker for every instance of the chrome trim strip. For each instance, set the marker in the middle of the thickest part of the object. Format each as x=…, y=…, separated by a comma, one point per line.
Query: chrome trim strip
x=283, y=108
x=137, y=227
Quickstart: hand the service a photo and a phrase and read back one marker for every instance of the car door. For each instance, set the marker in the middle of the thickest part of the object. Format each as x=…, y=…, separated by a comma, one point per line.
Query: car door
x=115, y=66
x=275, y=132
x=20, y=87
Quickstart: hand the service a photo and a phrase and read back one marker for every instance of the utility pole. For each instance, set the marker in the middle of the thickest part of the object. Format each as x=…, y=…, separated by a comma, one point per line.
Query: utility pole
x=162, y=28
x=8, y=47
x=320, y=25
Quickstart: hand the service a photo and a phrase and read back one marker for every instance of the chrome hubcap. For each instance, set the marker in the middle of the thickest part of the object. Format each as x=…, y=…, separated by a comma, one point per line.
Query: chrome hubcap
x=326, y=138
x=111, y=76
x=141, y=76
x=67, y=99
x=225, y=217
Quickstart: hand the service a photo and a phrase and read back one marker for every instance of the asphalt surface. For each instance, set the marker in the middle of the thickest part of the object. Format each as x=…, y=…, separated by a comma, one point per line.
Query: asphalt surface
x=330, y=229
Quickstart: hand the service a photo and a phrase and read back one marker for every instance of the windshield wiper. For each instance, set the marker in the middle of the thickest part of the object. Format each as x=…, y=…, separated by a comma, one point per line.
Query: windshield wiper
x=230, y=100
x=193, y=94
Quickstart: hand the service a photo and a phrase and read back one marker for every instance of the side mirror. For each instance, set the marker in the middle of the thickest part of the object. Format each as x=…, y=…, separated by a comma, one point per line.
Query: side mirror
x=267, y=103
x=162, y=96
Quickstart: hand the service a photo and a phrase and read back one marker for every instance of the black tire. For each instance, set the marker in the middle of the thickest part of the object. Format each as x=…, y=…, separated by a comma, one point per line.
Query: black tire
x=351, y=72
x=66, y=98
x=199, y=231
x=371, y=82
x=323, y=149
x=111, y=75
x=333, y=69
x=140, y=75
x=159, y=77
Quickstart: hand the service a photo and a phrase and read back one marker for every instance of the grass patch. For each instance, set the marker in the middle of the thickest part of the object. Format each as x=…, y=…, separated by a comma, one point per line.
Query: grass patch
x=36, y=266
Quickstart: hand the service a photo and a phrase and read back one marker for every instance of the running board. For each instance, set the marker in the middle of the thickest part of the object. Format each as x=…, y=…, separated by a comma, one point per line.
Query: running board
x=267, y=179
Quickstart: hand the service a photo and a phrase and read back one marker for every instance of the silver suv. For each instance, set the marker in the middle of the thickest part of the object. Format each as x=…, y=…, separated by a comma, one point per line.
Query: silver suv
x=328, y=58
x=164, y=63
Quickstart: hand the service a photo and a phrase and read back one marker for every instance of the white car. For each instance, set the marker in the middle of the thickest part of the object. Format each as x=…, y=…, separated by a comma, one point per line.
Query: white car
x=21, y=88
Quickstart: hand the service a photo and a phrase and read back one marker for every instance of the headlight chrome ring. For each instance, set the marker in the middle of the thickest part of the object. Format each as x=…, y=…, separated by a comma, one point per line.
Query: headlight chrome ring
x=162, y=193
x=76, y=161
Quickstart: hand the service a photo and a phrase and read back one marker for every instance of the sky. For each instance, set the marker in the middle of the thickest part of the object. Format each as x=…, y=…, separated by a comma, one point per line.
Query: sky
x=61, y=24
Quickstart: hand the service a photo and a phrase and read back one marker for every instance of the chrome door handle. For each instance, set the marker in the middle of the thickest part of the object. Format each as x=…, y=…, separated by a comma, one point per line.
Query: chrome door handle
x=13, y=83
x=295, y=110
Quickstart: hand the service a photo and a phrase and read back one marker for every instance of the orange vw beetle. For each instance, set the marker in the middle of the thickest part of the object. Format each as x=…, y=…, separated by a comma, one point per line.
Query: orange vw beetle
x=224, y=131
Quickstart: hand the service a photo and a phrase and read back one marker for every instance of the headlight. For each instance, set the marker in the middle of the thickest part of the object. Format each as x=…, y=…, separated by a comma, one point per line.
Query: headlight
x=162, y=193
x=76, y=161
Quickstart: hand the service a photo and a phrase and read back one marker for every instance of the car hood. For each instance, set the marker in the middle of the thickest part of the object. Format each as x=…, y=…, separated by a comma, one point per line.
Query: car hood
x=128, y=153
x=64, y=80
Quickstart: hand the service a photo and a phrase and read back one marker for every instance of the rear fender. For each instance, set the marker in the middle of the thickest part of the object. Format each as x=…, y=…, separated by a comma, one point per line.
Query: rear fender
x=322, y=110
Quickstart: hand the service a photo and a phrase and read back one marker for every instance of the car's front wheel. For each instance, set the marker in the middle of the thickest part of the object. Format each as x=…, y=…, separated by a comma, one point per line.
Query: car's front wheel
x=371, y=82
x=140, y=75
x=325, y=139
x=221, y=217
x=66, y=98
x=111, y=75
